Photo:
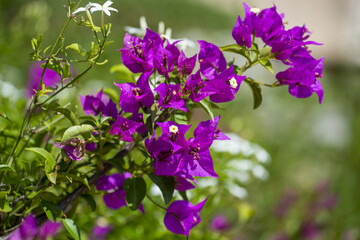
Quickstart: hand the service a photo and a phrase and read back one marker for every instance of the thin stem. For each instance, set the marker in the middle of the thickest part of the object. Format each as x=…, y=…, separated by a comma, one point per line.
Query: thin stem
x=53, y=50
x=147, y=195
x=275, y=84
x=80, y=75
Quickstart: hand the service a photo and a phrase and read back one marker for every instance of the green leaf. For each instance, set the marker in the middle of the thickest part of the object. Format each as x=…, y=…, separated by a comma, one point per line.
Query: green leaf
x=94, y=51
x=68, y=114
x=4, y=167
x=5, y=189
x=71, y=227
x=119, y=163
x=90, y=200
x=4, y=205
x=166, y=185
x=207, y=107
x=84, y=131
x=49, y=162
x=51, y=210
x=77, y=48
x=89, y=119
x=47, y=48
x=234, y=48
x=107, y=29
x=256, y=90
x=135, y=189
x=55, y=65
x=39, y=40
x=3, y=115
x=183, y=195
x=267, y=64
x=36, y=42
x=180, y=118
x=72, y=177
x=265, y=52
x=122, y=73
x=66, y=71
x=72, y=4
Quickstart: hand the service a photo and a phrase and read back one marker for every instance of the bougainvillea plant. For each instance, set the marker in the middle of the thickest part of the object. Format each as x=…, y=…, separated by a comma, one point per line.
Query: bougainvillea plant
x=46, y=166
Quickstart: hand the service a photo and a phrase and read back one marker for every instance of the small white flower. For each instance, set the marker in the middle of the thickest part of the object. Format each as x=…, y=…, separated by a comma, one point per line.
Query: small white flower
x=233, y=83
x=84, y=9
x=104, y=8
x=93, y=7
x=255, y=10
x=173, y=129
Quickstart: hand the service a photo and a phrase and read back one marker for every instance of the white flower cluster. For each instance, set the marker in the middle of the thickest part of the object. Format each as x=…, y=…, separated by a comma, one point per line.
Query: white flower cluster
x=94, y=7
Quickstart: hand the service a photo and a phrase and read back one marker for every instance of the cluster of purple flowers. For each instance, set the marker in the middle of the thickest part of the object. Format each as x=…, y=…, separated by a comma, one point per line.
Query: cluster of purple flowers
x=150, y=55
x=289, y=46
x=173, y=155
x=175, y=87
x=29, y=230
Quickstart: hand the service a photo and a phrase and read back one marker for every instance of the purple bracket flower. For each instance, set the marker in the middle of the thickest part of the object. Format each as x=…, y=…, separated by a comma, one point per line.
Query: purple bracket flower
x=164, y=62
x=212, y=60
x=124, y=128
x=168, y=149
x=100, y=103
x=268, y=24
x=173, y=49
x=182, y=184
x=75, y=148
x=170, y=96
x=100, y=232
x=133, y=97
x=219, y=223
x=28, y=230
x=135, y=55
x=286, y=42
x=198, y=161
x=303, y=79
x=116, y=195
x=51, y=78
x=199, y=88
x=48, y=230
x=182, y=216
x=140, y=119
x=227, y=84
x=185, y=65
x=243, y=30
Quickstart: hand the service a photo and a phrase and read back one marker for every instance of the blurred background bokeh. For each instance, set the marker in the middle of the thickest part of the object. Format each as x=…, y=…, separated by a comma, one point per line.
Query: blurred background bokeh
x=310, y=187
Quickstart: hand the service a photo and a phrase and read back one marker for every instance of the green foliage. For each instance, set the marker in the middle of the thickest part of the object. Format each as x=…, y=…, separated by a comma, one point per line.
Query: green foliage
x=256, y=91
x=135, y=189
x=49, y=162
x=72, y=228
x=81, y=131
x=166, y=185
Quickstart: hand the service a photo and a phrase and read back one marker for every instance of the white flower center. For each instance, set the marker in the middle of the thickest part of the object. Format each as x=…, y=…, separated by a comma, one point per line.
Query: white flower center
x=174, y=92
x=233, y=83
x=173, y=129
x=255, y=10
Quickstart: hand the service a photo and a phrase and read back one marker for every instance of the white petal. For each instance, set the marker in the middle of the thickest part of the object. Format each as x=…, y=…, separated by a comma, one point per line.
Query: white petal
x=112, y=9
x=96, y=8
x=107, y=4
x=81, y=9
x=91, y=5
x=106, y=11
x=143, y=24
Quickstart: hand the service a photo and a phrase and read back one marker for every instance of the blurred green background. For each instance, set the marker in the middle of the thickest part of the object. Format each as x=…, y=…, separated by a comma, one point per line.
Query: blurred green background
x=311, y=145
